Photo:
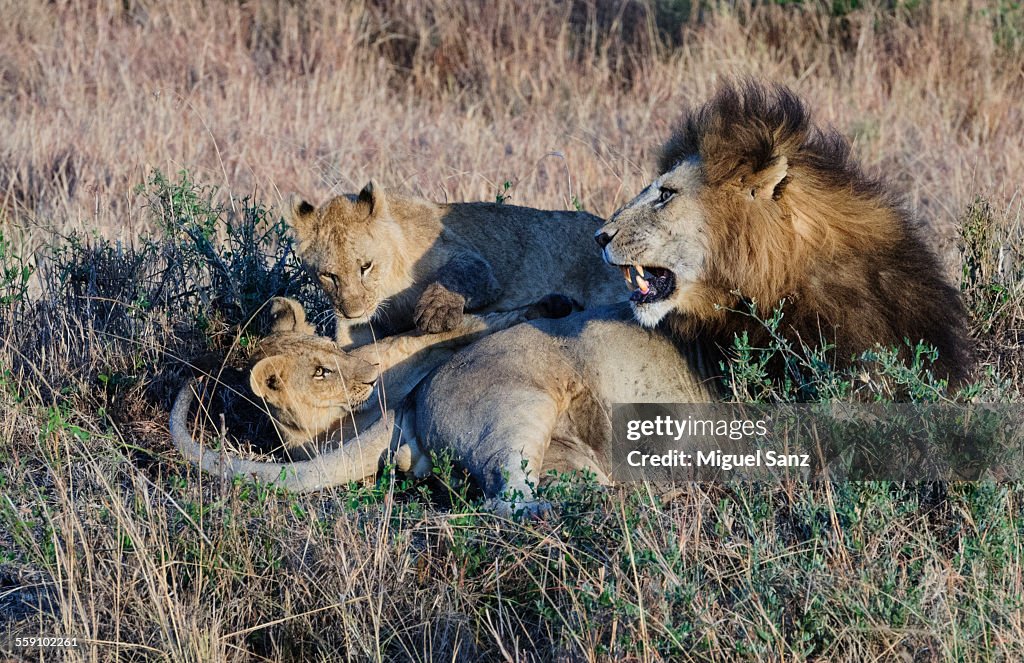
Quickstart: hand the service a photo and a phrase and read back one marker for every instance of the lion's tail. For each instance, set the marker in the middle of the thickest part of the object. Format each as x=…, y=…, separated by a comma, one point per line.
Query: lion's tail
x=353, y=461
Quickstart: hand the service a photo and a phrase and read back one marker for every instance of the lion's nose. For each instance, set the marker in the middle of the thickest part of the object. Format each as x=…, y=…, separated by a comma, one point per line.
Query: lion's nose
x=603, y=239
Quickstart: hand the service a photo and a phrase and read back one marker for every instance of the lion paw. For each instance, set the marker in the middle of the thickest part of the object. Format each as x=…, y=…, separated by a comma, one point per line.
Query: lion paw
x=520, y=509
x=439, y=309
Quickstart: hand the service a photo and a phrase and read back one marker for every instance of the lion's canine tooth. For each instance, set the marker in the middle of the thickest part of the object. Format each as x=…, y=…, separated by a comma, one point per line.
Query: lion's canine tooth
x=639, y=269
x=645, y=287
x=625, y=275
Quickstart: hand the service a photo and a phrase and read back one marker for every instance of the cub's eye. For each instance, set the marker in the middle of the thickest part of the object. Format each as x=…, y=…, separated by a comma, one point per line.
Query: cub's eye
x=664, y=196
x=329, y=278
x=320, y=373
x=366, y=267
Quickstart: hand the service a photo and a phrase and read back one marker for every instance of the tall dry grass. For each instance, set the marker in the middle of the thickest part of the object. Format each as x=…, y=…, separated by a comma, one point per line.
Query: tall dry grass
x=450, y=99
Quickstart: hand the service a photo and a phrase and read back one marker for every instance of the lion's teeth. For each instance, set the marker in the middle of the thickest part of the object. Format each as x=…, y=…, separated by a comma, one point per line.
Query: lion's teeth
x=639, y=270
x=644, y=285
x=625, y=275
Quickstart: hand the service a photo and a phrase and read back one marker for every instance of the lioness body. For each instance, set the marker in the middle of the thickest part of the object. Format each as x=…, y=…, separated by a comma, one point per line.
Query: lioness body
x=509, y=408
x=538, y=397
x=401, y=262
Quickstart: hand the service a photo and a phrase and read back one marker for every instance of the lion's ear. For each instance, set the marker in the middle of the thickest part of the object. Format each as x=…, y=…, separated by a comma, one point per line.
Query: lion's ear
x=301, y=216
x=265, y=377
x=287, y=315
x=373, y=196
x=767, y=183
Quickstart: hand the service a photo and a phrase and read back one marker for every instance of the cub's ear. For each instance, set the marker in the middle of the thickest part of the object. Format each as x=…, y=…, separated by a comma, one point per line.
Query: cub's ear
x=265, y=378
x=287, y=315
x=300, y=216
x=373, y=196
x=768, y=182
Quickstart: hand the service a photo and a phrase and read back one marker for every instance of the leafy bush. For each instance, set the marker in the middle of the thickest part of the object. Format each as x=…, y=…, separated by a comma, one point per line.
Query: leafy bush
x=810, y=375
x=14, y=274
x=210, y=264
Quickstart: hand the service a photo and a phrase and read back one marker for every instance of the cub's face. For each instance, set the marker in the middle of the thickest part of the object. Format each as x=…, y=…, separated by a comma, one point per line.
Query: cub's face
x=659, y=240
x=307, y=382
x=309, y=385
x=348, y=245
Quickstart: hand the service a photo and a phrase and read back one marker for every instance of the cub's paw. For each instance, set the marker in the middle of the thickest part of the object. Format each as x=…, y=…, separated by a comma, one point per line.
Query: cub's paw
x=287, y=315
x=555, y=305
x=439, y=309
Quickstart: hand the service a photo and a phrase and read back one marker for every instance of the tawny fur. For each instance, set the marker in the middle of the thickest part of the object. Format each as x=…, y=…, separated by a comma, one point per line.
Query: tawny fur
x=532, y=398
x=318, y=393
x=403, y=261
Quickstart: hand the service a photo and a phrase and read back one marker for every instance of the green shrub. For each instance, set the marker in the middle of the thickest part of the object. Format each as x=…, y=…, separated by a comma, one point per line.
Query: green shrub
x=15, y=272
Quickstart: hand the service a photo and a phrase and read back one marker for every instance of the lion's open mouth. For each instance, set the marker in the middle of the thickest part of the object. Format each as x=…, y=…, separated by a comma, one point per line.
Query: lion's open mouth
x=650, y=284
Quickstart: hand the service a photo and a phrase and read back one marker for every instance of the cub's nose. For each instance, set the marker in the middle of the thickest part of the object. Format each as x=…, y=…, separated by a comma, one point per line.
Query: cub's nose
x=603, y=239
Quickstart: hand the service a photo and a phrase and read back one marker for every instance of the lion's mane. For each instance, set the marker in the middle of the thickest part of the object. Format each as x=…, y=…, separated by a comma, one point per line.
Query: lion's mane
x=847, y=259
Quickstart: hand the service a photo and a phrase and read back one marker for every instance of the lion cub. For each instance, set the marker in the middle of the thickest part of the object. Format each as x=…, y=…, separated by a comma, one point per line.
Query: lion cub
x=316, y=392
x=402, y=262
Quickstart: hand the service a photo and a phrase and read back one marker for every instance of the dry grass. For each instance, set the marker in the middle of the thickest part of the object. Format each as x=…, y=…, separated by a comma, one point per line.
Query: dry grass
x=452, y=99
x=105, y=535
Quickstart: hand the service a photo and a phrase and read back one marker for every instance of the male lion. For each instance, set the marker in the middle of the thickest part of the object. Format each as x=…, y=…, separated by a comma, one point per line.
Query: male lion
x=755, y=204
x=511, y=406
x=402, y=262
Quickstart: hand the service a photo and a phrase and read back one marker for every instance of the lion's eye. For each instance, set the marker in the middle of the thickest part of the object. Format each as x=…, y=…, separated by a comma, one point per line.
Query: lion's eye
x=320, y=373
x=329, y=278
x=664, y=196
x=366, y=267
